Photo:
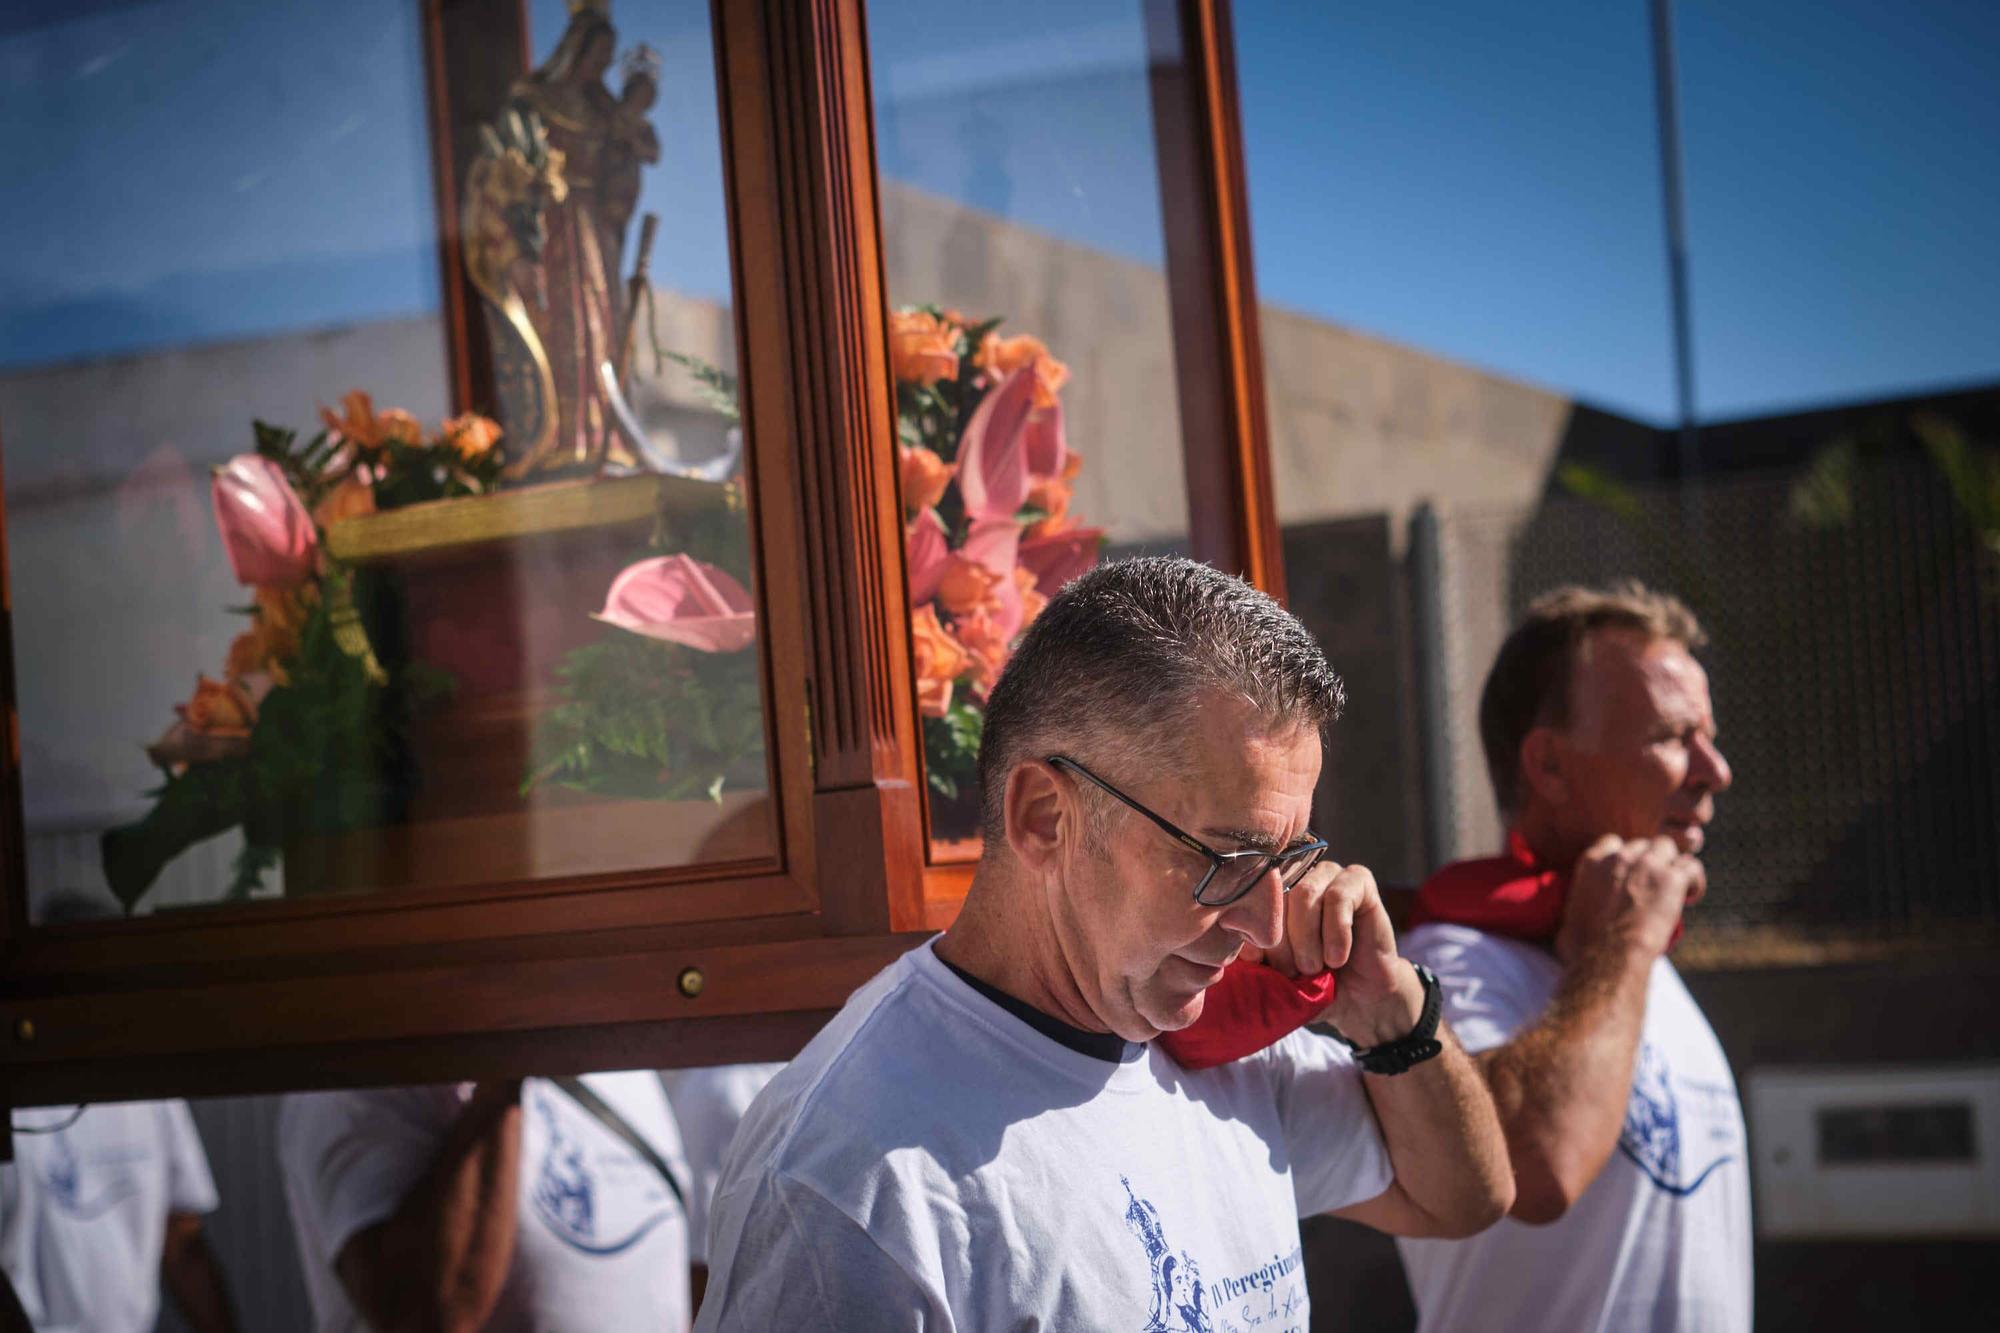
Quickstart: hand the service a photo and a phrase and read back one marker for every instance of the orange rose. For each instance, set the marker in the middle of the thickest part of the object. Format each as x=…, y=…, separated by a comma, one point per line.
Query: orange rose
x=922, y=349
x=966, y=586
x=352, y=498
x=1032, y=600
x=357, y=422
x=400, y=427
x=940, y=659
x=219, y=708
x=282, y=611
x=988, y=646
x=1002, y=356
x=253, y=651
x=925, y=477
x=1051, y=495
x=471, y=435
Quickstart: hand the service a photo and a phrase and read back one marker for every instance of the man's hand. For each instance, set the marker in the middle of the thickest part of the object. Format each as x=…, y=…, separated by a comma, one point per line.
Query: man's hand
x=1334, y=918
x=1628, y=896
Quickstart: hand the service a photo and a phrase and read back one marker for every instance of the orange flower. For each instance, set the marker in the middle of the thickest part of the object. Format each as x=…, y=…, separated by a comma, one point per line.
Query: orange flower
x=1032, y=600
x=1051, y=495
x=257, y=649
x=922, y=349
x=471, y=434
x=925, y=477
x=219, y=708
x=282, y=611
x=400, y=427
x=940, y=659
x=966, y=586
x=988, y=646
x=1000, y=357
x=352, y=498
x=357, y=422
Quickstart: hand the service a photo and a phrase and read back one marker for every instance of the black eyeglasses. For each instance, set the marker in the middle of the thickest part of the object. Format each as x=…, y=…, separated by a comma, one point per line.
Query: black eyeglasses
x=1230, y=874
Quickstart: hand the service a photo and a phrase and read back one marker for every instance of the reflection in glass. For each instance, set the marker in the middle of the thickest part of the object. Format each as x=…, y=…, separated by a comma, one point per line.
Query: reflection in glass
x=1038, y=417
x=426, y=649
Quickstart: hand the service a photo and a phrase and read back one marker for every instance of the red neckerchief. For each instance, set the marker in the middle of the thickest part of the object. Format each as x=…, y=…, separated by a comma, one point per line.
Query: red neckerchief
x=1512, y=895
x=1248, y=1009
x=1253, y=1005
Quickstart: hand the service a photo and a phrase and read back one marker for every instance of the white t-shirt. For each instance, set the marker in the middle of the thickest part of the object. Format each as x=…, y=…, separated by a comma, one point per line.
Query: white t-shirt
x=709, y=1105
x=83, y=1210
x=1661, y=1239
x=931, y=1161
x=601, y=1242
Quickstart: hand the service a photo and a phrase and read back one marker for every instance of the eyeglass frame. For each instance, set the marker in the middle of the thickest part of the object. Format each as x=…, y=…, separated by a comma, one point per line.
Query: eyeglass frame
x=1217, y=861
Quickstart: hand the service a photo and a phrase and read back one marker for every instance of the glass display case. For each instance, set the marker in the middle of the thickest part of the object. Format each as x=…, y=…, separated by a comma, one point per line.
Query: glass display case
x=505, y=551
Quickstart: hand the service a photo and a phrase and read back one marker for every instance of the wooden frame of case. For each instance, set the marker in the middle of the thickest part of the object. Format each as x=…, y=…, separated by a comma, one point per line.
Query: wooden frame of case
x=699, y=964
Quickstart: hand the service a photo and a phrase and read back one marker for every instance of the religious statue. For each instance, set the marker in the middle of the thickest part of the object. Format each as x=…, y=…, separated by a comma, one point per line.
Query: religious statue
x=547, y=206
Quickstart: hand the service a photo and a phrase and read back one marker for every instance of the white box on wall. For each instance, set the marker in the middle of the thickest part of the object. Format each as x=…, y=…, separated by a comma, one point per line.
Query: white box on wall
x=1903, y=1150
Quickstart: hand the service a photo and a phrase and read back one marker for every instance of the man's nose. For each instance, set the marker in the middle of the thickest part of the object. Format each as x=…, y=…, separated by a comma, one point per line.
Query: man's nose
x=1711, y=770
x=1259, y=915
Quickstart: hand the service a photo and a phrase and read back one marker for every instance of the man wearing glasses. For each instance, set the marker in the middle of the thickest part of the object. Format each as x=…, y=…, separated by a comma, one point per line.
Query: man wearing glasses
x=985, y=1138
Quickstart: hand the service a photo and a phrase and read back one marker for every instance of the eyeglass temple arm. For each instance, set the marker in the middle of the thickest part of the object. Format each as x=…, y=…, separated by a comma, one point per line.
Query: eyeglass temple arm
x=1181, y=836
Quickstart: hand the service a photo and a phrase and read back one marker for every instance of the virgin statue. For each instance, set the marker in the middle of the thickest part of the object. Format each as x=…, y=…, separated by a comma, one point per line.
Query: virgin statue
x=573, y=295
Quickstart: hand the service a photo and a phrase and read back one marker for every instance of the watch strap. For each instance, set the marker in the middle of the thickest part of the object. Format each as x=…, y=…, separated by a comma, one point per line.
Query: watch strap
x=1421, y=1044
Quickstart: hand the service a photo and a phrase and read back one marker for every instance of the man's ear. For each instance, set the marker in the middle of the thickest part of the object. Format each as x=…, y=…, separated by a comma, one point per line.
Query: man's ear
x=1040, y=814
x=1544, y=775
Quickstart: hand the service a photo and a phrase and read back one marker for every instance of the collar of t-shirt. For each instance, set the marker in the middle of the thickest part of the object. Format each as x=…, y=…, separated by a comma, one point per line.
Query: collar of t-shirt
x=1106, y=1046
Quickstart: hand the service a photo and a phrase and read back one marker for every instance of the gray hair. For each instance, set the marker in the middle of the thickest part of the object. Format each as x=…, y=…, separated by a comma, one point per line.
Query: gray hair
x=1122, y=657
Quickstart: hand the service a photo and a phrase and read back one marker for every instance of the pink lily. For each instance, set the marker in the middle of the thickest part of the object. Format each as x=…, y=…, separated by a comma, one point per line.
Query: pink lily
x=992, y=451
x=928, y=555
x=1055, y=560
x=1047, y=444
x=269, y=536
x=678, y=599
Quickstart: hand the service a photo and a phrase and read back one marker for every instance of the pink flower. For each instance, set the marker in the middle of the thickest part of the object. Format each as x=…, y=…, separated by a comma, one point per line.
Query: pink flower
x=1056, y=559
x=681, y=600
x=1047, y=444
x=265, y=528
x=993, y=450
x=928, y=555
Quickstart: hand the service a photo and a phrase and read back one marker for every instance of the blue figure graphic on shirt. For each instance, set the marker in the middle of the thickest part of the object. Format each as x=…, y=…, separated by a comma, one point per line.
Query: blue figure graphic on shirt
x=564, y=1192
x=599, y=1206
x=1178, y=1302
x=1652, y=1137
x=63, y=1176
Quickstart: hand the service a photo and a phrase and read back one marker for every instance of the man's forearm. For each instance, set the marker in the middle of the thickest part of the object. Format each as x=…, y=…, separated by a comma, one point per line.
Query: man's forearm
x=190, y=1273
x=441, y=1259
x=1445, y=1144
x=1562, y=1084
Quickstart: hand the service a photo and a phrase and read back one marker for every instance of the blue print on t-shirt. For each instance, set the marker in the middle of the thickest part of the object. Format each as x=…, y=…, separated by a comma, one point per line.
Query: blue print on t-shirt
x=87, y=1190
x=570, y=1197
x=1176, y=1278
x=1652, y=1136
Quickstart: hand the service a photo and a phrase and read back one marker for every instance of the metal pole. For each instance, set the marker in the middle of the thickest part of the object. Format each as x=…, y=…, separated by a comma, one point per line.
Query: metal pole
x=1426, y=562
x=1668, y=107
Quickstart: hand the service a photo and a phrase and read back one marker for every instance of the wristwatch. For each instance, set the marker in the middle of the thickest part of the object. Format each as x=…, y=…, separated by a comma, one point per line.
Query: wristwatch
x=1395, y=1057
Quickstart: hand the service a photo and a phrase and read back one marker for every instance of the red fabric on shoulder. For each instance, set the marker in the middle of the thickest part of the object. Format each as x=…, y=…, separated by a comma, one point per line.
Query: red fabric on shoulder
x=1249, y=1009
x=1510, y=895
x=1254, y=1005
x=1503, y=895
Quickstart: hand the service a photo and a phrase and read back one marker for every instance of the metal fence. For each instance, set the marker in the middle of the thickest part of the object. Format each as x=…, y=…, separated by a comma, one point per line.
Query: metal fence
x=1855, y=665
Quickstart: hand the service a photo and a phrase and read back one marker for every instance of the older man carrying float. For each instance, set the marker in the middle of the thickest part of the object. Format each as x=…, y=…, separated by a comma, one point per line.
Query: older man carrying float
x=1622, y=1118
x=986, y=1136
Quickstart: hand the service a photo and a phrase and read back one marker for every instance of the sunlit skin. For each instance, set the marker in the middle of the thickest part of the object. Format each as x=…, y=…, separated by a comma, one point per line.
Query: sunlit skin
x=1126, y=923
x=1637, y=758
x=1105, y=934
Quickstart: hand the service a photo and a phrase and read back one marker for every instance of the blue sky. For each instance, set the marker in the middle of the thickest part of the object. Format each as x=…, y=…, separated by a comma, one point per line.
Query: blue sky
x=1477, y=179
